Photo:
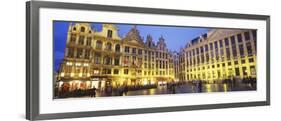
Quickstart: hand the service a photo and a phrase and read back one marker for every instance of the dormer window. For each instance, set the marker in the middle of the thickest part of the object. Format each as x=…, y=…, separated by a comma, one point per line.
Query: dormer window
x=82, y=29
x=109, y=33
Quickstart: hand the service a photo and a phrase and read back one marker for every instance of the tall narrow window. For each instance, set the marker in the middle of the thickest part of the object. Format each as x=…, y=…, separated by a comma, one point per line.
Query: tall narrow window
x=226, y=42
x=239, y=38
x=127, y=49
x=247, y=36
x=249, y=48
x=73, y=38
x=87, y=54
x=241, y=49
x=99, y=45
x=116, y=61
x=89, y=41
x=97, y=58
x=70, y=53
x=232, y=38
x=108, y=46
x=117, y=48
x=79, y=53
x=227, y=53
x=140, y=52
x=107, y=60
x=81, y=40
x=220, y=41
x=109, y=33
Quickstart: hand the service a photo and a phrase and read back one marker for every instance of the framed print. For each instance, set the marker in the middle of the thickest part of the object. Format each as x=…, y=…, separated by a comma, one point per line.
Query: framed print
x=88, y=60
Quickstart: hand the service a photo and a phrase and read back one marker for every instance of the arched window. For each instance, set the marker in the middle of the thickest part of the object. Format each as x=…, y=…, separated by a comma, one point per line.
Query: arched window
x=99, y=45
x=74, y=28
x=82, y=29
x=108, y=46
x=117, y=48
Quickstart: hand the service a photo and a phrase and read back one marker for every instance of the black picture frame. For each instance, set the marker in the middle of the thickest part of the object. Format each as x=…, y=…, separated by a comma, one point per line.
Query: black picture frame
x=32, y=58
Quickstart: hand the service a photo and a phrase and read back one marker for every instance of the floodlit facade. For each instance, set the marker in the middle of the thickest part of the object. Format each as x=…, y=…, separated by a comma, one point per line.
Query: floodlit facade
x=103, y=58
x=219, y=54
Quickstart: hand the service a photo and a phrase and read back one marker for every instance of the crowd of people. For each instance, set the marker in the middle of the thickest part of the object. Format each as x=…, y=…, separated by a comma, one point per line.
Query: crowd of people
x=172, y=86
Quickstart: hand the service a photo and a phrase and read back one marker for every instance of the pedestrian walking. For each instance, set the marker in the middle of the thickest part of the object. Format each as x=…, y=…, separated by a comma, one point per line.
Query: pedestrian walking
x=93, y=92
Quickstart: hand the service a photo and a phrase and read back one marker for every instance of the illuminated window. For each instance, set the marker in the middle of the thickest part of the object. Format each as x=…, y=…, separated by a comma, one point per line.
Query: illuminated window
x=253, y=70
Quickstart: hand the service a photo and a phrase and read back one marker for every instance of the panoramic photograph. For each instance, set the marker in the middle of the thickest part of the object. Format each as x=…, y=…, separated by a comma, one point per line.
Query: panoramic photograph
x=92, y=59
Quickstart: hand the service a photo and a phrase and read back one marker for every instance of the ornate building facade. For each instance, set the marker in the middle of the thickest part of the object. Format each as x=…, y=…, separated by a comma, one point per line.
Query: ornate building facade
x=103, y=58
x=219, y=54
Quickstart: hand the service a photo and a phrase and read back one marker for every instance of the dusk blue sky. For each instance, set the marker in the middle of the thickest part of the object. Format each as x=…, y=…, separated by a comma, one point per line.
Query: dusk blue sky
x=175, y=37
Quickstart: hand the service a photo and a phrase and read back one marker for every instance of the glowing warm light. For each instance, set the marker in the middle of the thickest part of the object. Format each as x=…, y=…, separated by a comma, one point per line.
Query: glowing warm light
x=62, y=74
x=60, y=83
x=78, y=64
x=80, y=74
x=69, y=63
x=145, y=82
x=225, y=87
x=71, y=74
x=208, y=88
